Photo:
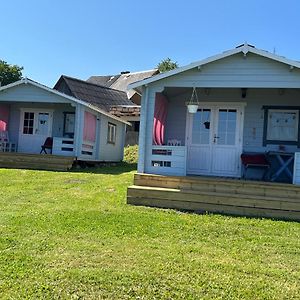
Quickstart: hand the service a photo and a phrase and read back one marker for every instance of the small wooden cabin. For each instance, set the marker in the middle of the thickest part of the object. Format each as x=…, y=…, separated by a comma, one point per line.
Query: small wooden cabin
x=247, y=102
x=31, y=112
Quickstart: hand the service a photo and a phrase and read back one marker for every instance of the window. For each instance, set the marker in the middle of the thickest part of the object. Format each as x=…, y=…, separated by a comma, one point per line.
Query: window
x=69, y=124
x=28, y=123
x=111, y=133
x=281, y=126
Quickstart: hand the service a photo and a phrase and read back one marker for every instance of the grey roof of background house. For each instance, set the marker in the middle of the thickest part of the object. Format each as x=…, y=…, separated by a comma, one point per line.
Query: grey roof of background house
x=121, y=81
x=99, y=96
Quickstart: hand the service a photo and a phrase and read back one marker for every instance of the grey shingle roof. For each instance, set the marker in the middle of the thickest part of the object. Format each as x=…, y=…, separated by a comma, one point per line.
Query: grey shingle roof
x=106, y=80
x=120, y=82
x=100, y=96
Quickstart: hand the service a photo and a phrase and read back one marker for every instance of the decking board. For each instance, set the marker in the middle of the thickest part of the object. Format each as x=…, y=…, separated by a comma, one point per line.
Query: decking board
x=35, y=161
x=237, y=197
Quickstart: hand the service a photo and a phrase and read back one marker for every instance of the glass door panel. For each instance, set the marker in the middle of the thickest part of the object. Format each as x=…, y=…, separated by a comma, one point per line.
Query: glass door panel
x=201, y=127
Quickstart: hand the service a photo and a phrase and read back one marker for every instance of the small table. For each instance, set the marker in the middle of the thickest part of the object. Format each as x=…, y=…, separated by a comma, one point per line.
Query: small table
x=283, y=163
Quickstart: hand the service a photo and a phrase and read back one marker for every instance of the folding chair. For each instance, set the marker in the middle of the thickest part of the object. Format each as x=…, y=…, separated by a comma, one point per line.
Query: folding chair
x=48, y=144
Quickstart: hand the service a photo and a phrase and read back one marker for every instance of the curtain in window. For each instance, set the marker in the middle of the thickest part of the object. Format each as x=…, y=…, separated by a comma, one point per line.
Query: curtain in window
x=160, y=116
x=89, y=128
x=4, y=115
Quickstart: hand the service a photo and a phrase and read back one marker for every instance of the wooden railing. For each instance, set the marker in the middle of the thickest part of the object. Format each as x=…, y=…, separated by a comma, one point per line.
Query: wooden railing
x=168, y=160
x=63, y=146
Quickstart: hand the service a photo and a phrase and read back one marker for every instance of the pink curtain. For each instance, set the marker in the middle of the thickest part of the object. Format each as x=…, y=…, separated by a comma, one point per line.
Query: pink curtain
x=160, y=116
x=4, y=115
x=89, y=128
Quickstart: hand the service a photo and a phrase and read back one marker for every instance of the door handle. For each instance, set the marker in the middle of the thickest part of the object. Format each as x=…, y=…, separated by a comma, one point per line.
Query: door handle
x=215, y=138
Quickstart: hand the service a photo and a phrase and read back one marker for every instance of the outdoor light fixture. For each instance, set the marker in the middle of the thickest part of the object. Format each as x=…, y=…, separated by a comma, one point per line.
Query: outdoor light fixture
x=193, y=104
x=244, y=92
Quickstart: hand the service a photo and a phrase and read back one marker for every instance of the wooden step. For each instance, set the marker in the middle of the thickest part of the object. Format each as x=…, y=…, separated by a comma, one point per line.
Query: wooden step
x=235, y=186
x=237, y=204
x=35, y=161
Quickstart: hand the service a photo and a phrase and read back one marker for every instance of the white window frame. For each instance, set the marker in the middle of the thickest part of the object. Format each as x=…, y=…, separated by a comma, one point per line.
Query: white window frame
x=111, y=133
x=36, y=111
x=269, y=137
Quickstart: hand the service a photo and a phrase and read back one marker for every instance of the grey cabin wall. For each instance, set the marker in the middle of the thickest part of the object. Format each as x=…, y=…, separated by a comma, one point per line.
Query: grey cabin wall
x=111, y=152
x=253, y=118
x=58, y=117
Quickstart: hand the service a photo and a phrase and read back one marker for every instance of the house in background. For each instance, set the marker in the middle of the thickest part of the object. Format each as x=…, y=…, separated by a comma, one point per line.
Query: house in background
x=79, y=129
x=247, y=102
x=130, y=113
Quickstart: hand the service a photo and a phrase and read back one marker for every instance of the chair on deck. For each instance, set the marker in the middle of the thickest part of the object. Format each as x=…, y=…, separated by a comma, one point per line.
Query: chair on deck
x=255, y=161
x=48, y=144
x=5, y=144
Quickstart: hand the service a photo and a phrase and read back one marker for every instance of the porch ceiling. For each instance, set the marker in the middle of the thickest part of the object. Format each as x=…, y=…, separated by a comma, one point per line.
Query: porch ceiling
x=177, y=91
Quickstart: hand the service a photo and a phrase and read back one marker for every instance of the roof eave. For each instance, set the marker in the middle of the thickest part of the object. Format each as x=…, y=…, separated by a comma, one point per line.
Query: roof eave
x=244, y=49
x=28, y=81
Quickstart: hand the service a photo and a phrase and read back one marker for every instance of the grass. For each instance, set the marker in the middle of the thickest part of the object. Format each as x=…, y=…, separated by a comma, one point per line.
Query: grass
x=71, y=236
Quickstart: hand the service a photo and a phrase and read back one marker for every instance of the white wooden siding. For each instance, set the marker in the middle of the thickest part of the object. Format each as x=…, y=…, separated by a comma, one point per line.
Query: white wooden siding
x=58, y=117
x=237, y=71
x=177, y=161
x=30, y=93
x=111, y=152
x=253, y=119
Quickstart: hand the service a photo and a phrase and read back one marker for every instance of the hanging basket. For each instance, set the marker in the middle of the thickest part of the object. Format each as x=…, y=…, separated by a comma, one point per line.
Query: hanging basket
x=193, y=104
x=192, y=108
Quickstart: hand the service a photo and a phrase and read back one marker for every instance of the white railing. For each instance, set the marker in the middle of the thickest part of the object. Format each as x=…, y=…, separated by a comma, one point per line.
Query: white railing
x=168, y=160
x=63, y=146
x=88, y=150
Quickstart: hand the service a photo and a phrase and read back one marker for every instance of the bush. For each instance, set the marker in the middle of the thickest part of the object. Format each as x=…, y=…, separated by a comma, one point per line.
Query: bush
x=131, y=154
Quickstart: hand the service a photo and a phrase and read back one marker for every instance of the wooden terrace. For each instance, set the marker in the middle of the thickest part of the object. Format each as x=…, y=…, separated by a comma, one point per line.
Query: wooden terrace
x=14, y=160
x=217, y=195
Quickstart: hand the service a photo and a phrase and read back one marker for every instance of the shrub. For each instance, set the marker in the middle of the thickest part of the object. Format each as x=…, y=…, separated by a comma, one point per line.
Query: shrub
x=131, y=154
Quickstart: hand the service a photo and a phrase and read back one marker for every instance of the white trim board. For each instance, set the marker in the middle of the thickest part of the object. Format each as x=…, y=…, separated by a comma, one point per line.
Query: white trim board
x=44, y=87
x=244, y=49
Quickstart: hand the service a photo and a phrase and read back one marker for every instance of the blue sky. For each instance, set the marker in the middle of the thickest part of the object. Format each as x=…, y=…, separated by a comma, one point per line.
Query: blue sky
x=84, y=38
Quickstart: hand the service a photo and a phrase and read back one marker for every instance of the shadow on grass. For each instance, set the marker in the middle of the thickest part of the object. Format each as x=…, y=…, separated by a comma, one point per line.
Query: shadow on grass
x=116, y=169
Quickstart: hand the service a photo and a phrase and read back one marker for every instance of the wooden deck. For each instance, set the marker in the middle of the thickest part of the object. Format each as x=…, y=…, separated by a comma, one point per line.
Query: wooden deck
x=217, y=195
x=13, y=160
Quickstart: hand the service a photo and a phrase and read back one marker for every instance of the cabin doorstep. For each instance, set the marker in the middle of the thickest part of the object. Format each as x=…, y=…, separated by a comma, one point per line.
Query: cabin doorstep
x=248, y=103
x=30, y=113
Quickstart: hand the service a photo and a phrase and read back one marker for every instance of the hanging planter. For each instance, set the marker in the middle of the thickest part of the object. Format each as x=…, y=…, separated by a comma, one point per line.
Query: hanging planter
x=192, y=108
x=193, y=104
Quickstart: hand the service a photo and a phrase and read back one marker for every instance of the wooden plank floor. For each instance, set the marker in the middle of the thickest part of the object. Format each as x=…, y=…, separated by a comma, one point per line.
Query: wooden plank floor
x=13, y=160
x=237, y=197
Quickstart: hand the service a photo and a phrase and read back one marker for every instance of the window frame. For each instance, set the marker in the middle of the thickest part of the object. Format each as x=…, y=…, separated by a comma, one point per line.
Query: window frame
x=267, y=109
x=66, y=133
x=111, y=133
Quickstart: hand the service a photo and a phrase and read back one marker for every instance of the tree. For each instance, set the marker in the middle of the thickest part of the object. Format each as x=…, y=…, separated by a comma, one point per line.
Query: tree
x=167, y=65
x=9, y=73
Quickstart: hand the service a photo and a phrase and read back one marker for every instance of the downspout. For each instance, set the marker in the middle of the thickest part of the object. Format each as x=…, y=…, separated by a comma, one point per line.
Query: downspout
x=123, y=141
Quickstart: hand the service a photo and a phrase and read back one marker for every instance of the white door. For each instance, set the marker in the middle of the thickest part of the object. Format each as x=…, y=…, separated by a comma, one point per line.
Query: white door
x=35, y=127
x=215, y=141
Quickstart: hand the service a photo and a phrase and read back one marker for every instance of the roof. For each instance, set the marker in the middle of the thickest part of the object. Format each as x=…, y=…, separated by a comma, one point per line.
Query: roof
x=53, y=91
x=244, y=48
x=99, y=96
x=105, y=80
x=121, y=81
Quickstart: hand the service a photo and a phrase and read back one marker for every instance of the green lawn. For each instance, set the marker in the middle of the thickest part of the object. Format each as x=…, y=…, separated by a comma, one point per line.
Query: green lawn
x=72, y=236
